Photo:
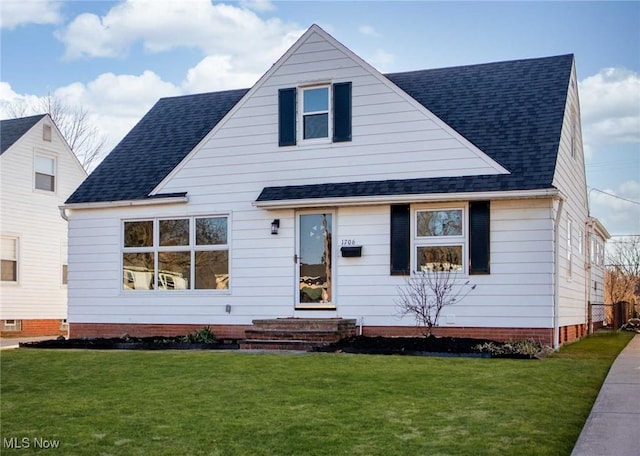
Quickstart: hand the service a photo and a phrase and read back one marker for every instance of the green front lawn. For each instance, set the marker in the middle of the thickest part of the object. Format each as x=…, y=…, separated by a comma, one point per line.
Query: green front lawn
x=228, y=403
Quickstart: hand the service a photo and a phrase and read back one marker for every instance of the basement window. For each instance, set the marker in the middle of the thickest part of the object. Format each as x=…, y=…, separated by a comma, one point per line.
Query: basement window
x=12, y=325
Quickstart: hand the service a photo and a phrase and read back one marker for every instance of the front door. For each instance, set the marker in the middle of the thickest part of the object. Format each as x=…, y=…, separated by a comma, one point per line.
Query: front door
x=314, y=261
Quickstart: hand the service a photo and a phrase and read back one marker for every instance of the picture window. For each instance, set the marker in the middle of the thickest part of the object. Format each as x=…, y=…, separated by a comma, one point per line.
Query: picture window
x=176, y=254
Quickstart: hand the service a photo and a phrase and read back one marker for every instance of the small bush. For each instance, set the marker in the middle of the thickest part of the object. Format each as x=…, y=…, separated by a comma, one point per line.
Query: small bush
x=528, y=348
x=201, y=336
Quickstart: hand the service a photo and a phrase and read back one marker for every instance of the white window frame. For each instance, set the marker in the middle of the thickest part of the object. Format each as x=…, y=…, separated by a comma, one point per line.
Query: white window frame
x=301, y=114
x=192, y=248
x=43, y=154
x=461, y=240
x=16, y=241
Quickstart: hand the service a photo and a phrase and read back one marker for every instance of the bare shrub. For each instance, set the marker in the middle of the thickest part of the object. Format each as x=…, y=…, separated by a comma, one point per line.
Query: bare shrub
x=427, y=292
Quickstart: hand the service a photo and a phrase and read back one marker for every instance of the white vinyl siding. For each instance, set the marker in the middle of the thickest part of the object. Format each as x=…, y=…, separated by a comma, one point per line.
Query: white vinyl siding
x=518, y=291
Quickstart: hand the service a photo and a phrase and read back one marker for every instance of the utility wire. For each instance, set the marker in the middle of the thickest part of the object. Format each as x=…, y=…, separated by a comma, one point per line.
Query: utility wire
x=614, y=196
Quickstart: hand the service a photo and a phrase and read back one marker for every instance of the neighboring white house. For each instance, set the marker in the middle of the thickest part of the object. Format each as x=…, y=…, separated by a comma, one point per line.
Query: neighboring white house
x=315, y=192
x=38, y=172
x=597, y=236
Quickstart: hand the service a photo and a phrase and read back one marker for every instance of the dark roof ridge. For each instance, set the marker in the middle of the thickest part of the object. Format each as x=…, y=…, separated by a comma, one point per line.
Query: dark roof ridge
x=473, y=65
x=394, y=73
x=201, y=94
x=25, y=117
x=12, y=130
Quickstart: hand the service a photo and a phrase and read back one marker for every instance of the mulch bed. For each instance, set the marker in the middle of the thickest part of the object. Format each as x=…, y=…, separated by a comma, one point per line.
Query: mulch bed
x=133, y=343
x=415, y=346
x=435, y=346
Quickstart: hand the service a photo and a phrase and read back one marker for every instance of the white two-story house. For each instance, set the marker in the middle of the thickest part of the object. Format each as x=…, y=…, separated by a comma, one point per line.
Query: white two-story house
x=38, y=172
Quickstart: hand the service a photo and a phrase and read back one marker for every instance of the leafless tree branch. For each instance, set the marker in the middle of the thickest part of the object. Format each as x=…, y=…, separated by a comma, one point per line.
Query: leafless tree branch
x=426, y=293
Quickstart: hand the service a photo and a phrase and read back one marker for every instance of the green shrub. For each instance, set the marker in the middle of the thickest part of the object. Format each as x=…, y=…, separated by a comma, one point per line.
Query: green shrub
x=201, y=336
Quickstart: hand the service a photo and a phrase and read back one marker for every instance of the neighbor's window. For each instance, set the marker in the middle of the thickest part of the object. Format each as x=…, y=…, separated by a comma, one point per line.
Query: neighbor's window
x=176, y=254
x=9, y=262
x=597, y=252
x=64, y=261
x=315, y=113
x=45, y=173
x=439, y=240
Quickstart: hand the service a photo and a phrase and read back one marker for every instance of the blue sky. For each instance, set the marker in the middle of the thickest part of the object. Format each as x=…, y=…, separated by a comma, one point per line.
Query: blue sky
x=117, y=58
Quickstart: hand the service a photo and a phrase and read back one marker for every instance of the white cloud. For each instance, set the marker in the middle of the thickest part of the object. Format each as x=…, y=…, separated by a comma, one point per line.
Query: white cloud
x=258, y=5
x=215, y=29
x=115, y=102
x=368, y=30
x=618, y=208
x=118, y=102
x=14, y=13
x=381, y=60
x=217, y=73
x=610, y=107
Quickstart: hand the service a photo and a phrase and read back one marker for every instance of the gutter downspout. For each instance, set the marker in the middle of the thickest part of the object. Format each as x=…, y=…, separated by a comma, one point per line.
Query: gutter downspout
x=556, y=273
x=63, y=213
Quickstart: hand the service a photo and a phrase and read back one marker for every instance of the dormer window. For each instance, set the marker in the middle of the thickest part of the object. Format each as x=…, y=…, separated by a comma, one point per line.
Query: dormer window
x=314, y=113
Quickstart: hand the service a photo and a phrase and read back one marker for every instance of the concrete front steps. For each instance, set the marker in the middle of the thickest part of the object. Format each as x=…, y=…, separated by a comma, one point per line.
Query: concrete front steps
x=296, y=333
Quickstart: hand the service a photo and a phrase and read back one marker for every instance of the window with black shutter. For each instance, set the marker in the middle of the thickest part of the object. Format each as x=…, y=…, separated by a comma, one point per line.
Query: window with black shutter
x=314, y=114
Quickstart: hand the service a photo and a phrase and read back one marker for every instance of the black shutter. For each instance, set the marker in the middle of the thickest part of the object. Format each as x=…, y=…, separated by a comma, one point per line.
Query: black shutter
x=400, y=239
x=479, y=237
x=287, y=117
x=342, y=112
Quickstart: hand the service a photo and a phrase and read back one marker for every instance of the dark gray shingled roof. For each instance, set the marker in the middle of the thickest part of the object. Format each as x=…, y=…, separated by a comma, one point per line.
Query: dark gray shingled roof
x=512, y=111
x=156, y=145
x=13, y=129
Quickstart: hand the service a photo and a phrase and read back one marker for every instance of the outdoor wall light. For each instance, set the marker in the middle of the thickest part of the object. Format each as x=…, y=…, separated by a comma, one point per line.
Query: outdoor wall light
x=274, y=226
